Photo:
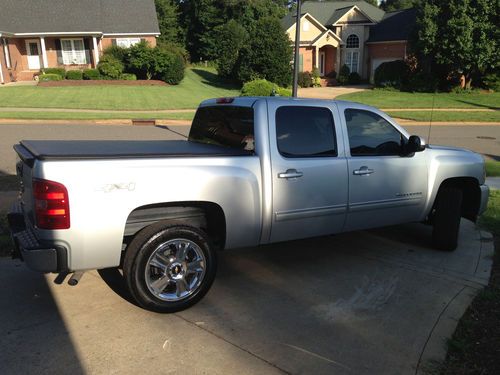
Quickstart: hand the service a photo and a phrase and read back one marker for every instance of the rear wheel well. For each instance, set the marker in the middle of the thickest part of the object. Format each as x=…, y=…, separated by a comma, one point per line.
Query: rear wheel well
x=206, y=216
x=471, y=195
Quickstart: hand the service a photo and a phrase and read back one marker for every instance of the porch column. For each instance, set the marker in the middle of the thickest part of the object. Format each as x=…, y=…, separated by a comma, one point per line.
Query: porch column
x=337, y=63
x=1, y=74
x=96, y=51
x=44, y=53
x=316, y=63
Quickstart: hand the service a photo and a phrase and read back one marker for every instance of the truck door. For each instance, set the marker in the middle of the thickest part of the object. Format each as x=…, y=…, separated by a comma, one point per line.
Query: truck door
x=385, y=186
x=309, y=170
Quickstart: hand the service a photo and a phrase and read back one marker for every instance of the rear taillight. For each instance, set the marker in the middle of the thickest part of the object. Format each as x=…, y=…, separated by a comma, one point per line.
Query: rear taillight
x=51, y=205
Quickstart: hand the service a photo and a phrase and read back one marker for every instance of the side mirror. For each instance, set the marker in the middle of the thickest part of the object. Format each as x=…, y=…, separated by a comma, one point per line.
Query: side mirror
x=415, y=144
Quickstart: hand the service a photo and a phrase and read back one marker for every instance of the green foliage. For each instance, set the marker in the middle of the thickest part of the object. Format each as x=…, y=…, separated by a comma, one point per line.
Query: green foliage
x=91, y=74
x=59, y=71
x=119, y=53
x=391, y=74
x=332, y=74
x=232, y=39
x=74, y=75
x=343, y=77
x=354, y=78
x=391, y=5
x=143, y=60
x=49, y=77
x=491, y=81
x=170, y=67
x=262, y=87
x=267, y=54
x=305, y=79
x=168, y=14
x=175, y=48
x=128, y=77
x=110, y=67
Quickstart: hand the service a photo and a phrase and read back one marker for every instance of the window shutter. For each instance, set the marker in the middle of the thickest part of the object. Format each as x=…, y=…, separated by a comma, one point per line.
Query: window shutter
x=88, y=56
x=113, y=42
x=301, y=63
x=59, y=52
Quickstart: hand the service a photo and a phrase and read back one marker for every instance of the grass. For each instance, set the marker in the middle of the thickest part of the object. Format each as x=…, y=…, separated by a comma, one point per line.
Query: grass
x=35, y=115
x=199, y=84
x=492, y=116
x=490, y=220
x=396, y=99
x=492, y=168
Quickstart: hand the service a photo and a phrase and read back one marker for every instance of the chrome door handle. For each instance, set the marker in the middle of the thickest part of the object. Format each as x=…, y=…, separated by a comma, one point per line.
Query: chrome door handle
x=363, y=171
x=290, y=173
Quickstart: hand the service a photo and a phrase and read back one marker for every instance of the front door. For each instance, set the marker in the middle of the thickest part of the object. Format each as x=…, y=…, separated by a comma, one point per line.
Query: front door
x=322, y=60
x=33, y=53
x=309, y=170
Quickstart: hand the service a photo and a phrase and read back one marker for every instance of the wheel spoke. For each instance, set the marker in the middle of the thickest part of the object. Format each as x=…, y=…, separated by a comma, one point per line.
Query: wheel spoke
x=181, y=287
x=194, y=267
x=158, y=264
x=160, y=284
x=182, y=250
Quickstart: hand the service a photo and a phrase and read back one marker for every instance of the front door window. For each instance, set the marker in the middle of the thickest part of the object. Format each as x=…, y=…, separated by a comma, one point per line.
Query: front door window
x=322, y=63
x=33, y=53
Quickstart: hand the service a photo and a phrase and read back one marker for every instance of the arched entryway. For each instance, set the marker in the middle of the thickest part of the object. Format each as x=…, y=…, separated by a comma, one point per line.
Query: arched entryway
x=327, y=58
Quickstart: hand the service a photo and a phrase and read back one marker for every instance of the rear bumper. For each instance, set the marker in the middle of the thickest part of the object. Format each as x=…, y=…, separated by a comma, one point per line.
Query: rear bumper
x=41, y=257
x=485, y=193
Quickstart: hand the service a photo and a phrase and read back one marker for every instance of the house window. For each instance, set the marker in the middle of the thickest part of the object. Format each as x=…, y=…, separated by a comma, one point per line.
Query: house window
x=127, y=42
x=352, y=41
x=73, y=52
x=352, y=61
x=305, y=26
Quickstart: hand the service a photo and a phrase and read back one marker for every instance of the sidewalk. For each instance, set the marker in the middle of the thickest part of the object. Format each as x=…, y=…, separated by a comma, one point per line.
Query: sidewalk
x=493, y=182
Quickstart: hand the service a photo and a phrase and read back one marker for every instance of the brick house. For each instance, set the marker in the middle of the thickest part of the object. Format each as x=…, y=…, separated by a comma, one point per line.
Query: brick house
x=68, y=33
x=354, y=33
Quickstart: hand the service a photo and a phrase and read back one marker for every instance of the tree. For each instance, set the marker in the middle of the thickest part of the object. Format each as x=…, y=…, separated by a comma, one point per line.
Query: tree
x=168, y=21
x=372, y=2
x=232, y=39
x=267, y=54
x=391, y=5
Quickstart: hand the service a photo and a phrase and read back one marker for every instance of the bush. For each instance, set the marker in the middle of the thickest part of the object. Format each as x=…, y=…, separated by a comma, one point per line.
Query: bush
x=332, y=74
x=175, y=48
x=392, y=74
x=74, y=75
x=119, y=53
x=59, y=71
x=305, y=79
x=343, y=77
x=316, y=78
x=420, y=82
x=284, y=92
x=143, y=60
x=262, y=87
x=110, y=67
x=91, y=74
x=49, y=77
x=170, y=67
x=354, y=78
x=128, y=77
x=492, y=81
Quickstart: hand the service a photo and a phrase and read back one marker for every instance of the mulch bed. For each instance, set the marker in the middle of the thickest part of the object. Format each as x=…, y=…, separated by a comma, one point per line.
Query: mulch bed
x=100, y=82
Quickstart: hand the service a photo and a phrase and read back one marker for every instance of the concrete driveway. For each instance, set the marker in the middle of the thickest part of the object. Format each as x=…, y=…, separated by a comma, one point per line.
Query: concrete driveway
x=372, y=302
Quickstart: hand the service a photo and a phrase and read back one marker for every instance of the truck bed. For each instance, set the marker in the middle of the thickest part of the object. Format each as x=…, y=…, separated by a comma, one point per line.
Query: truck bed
x=68, y=150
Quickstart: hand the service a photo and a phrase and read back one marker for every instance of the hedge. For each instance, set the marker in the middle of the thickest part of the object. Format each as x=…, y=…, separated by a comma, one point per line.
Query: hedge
x=58, y=71
x=49, y=77
x=392, y=74
x=262, y=87
x=91, y=74
x=74, y=75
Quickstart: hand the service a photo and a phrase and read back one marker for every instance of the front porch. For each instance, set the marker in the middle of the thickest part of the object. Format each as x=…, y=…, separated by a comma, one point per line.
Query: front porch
x=323, y=53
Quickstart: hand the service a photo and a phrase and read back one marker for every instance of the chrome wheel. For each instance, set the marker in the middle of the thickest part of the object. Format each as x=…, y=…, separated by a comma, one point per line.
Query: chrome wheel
x=175, y=270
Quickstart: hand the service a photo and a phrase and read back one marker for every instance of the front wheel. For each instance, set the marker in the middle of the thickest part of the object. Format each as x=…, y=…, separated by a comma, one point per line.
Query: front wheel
x=169, y=268
x=447, y=218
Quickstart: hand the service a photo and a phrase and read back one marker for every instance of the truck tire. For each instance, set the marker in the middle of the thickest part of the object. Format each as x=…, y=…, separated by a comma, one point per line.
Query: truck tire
x=447, y=218
x=169, y=268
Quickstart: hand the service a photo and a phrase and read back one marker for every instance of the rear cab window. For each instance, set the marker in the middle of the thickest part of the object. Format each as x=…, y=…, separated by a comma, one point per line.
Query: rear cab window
x=227, y=126
x=305, y=132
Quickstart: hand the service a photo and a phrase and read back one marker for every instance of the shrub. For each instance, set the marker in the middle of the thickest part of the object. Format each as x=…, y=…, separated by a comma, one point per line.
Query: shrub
x=343, y=77
x=143, y=60
x=58, y=71
x=119, y=53
x=128, y=77
x=175, y=48
x=332, y=74
x=262, y=87
x=492, y=81
x=49, y=77
x=305, y=79
x=91, y=74
x=284, y=92
x=74, y=75
x=354, y=78
x=420, y=82
x=110, y=67
x=392, y=74
x=316, y=78
x=170, y=67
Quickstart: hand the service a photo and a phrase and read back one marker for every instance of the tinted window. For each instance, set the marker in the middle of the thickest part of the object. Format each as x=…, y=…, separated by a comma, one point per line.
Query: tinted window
x=227, y=126
x=305, y=132
x=370, y=134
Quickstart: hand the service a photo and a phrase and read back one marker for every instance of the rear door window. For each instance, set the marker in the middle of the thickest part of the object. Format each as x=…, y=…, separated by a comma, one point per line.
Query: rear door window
x=303, y=132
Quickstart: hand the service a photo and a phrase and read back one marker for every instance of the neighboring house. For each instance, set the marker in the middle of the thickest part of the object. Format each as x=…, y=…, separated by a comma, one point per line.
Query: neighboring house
x=68, y=33
x=354, y=33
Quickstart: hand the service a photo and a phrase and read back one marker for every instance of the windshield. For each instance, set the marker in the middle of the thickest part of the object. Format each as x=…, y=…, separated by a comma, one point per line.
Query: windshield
x=227, y=126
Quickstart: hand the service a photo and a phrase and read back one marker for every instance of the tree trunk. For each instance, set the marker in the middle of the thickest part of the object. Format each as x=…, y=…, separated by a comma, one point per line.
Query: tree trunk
x=468, y=80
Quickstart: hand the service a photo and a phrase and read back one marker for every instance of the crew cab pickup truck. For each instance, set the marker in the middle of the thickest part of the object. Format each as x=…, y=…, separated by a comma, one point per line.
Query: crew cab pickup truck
x=253, y=171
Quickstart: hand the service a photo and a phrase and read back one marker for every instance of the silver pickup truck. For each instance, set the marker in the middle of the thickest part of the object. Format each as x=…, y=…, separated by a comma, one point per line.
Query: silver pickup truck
x=254, y=171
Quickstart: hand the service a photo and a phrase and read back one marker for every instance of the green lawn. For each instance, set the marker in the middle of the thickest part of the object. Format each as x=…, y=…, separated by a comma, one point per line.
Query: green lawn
x=492, y=168
x=94, y=116
x=199, y=84
x=490, y=220
x=491, y=116
x=396, y=99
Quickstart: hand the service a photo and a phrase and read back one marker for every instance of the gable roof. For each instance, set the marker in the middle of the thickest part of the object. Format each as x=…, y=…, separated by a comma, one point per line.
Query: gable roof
x=74, y=16
x=395, y=26
x=329, y=12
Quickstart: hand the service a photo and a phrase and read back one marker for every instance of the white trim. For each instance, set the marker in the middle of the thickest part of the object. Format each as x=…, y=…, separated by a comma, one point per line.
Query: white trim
x=6, y=53
x=318, y=24
x=96, y=51
x=27, y=43
x=129, y=34
x=327, y=32
x=60, y=33
x=1, y=74
x=73, y=50
x=359, y=41
x=359, y=10
x=44, y=53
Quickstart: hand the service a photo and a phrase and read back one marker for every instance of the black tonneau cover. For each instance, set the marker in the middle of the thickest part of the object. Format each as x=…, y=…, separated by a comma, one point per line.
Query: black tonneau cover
x=64, y=150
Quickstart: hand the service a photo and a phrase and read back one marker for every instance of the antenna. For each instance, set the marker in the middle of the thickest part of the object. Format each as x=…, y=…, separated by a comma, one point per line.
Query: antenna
x=430, y=122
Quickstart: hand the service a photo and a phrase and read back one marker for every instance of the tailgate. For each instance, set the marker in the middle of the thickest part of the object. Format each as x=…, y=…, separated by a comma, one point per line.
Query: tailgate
x=24, y=169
